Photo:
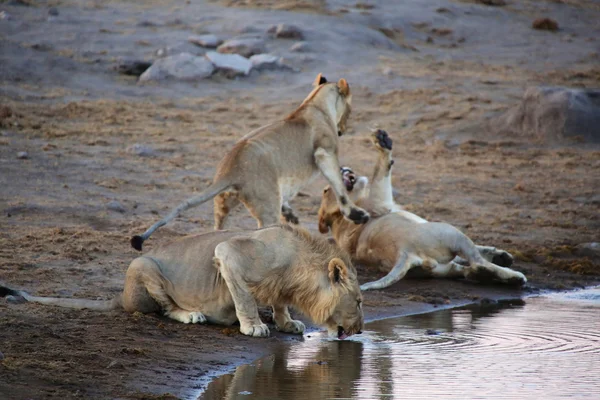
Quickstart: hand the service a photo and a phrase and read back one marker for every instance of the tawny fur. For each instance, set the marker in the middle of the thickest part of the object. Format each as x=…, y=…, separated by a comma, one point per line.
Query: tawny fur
x=397, y=241
x=201, y=278
x=269, y=166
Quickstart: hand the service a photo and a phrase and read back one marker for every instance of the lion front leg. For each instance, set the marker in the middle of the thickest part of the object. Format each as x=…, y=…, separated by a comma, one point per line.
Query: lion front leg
x=330, y=168
x=231, y=266
x=285, y=323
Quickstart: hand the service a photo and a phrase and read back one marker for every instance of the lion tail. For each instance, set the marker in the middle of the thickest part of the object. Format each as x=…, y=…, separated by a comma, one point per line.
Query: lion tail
x=98, y=305
x=204, y=196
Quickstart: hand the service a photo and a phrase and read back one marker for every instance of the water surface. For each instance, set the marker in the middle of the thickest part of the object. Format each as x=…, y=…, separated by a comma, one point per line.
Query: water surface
x=547, y=348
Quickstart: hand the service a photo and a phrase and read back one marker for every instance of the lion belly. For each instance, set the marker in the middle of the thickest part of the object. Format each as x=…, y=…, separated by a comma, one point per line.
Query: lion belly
x=290, y=186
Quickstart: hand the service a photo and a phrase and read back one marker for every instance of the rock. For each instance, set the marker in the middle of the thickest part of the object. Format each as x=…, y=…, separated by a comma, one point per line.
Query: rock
x=132, y=67
x=22, y=155
x=245, y=47
x=114, y=205
x=284, y=31
x=210, y=41
x=493, y=2
x=231, y=64
x=387, y=71
x=432, y=332
x=299, y=47
x=554, y=114
x=265, y=61
x=1, y=356
x=545, y=24
x=53, y=11
x=141, y=150
x=114, y=364
x=4, y=16
x=183, y=66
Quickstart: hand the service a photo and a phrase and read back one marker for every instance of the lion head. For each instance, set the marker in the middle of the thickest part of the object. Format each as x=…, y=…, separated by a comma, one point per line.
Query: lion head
x=343, y=104
x=346, y=318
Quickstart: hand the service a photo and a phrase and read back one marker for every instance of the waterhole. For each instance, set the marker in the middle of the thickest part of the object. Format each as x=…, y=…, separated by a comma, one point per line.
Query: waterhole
x=545, y=348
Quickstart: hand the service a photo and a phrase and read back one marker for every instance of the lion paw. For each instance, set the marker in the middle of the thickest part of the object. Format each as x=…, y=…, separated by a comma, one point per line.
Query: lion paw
x=502, y=258
x=382, y=140
x=358, y=216
x=292, y=326
x=260, y=330
x=517, y=279
x=188, y=317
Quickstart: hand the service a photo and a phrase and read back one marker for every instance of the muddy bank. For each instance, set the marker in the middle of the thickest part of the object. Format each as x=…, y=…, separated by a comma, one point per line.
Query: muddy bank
x=105, y=157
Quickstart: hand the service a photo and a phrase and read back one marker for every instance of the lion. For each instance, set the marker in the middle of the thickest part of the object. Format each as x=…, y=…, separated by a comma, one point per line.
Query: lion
x=397, y=240
x=269, y=166
x=219, y=277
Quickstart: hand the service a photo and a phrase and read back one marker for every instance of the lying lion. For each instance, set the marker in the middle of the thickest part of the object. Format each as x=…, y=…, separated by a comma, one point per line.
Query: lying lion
x=220, y=277
x=269, y=166
x=397, y=240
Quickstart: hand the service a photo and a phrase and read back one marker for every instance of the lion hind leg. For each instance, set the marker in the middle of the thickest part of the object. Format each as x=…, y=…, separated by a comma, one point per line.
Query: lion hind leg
x=231, y=263
x=404, y=264
x=480, y=269
x=264, y=206
x=224, y=203
x=285, y=323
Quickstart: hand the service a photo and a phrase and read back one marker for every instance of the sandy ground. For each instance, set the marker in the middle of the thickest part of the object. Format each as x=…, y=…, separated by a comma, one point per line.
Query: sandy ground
x=82, y=125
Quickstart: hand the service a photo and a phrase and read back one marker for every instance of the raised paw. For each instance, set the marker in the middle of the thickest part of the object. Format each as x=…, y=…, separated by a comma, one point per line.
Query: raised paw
x=197, y=317
x=502, y=258
x=292, y=326
x=382, y=140
x=349, y=178
x=260, y=330
x=358, y=216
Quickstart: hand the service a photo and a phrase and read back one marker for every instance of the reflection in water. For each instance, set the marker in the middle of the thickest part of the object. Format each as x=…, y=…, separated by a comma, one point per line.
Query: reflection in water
x=546, y=349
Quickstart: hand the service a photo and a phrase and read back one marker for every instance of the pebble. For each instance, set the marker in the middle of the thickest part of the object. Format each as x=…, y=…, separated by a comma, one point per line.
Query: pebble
x=284, y=31
x=183, y=66
x=53, y=11
x=246, y=47
x=114, y=205
x=265, y=61
x=233, y=64
x=545, y=24
x=210, y=41
x=22, y=155
x=299, y=47
x=141, y=150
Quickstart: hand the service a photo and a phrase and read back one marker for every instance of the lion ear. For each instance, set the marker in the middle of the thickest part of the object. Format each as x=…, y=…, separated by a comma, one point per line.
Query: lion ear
x=343, y=86
x=319, y=80
x=338, y=272
x=323, y=227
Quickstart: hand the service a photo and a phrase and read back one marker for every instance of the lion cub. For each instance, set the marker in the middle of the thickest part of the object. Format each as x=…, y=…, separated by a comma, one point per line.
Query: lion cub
x=269, y=166
x=397, y=240
x=220, y=277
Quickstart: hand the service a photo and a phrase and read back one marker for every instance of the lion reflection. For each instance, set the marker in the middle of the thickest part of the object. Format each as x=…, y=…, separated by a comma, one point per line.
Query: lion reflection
x=303, y=371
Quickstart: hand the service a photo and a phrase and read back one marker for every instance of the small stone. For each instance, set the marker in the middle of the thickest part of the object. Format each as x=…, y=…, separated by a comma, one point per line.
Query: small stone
x=246, y=47
x=545, y=24
x=299, y=47
x=495, y=3
x=141, y=150
x=284, y=31
x=265, y=61
x=183, y=66
x=53, y=11
x=1, y=356
x=387, y=71
x=210, y=41
x=114, y=364
x=232, y=64
x=133, y=67
x=432, y=332
x=114, y=205
x=5, y=112
x=147, y=24
x=22, y=155
x=4, y=16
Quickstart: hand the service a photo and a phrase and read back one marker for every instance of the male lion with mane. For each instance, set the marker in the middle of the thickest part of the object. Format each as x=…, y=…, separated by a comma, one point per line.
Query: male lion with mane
x=269, y=166
x=397, y=241
x=219, y=277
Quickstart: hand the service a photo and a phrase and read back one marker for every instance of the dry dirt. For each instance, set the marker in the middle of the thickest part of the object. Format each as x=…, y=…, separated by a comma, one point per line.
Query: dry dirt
x=79, y=122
